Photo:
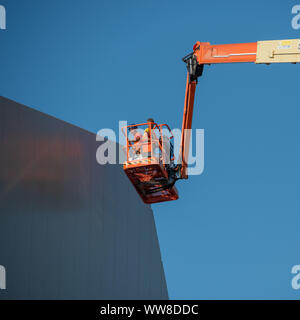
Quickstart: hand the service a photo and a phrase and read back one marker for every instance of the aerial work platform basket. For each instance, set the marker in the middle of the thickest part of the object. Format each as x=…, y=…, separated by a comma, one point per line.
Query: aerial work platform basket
x=149, y=161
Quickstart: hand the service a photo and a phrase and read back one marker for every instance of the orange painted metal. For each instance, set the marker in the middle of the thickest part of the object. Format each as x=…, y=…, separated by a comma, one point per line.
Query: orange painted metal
x=147, y=171
x=187, y=125
x=225, y=53
x=141, y=173
x=205, y=53
x=154, y=171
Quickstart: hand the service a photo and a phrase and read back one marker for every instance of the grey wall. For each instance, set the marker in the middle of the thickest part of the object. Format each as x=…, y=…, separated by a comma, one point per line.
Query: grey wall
x=70, y=228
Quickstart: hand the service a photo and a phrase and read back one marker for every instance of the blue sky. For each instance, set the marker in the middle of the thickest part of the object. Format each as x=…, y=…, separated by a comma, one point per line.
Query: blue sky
x=234, y=233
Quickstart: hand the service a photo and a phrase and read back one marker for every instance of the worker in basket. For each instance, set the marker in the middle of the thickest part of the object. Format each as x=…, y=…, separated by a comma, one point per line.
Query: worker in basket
x=148, y=139
x=135, y=143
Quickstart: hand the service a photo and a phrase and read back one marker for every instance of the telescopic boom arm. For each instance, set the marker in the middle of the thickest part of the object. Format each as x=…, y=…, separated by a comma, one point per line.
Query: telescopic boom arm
x=277, y=51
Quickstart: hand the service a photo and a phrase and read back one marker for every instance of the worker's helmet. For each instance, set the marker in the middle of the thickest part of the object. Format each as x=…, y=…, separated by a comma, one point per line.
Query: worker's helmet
x=150, y=120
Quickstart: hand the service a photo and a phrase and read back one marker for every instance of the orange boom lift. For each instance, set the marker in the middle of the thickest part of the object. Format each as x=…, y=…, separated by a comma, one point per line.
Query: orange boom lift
x=150, y=163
